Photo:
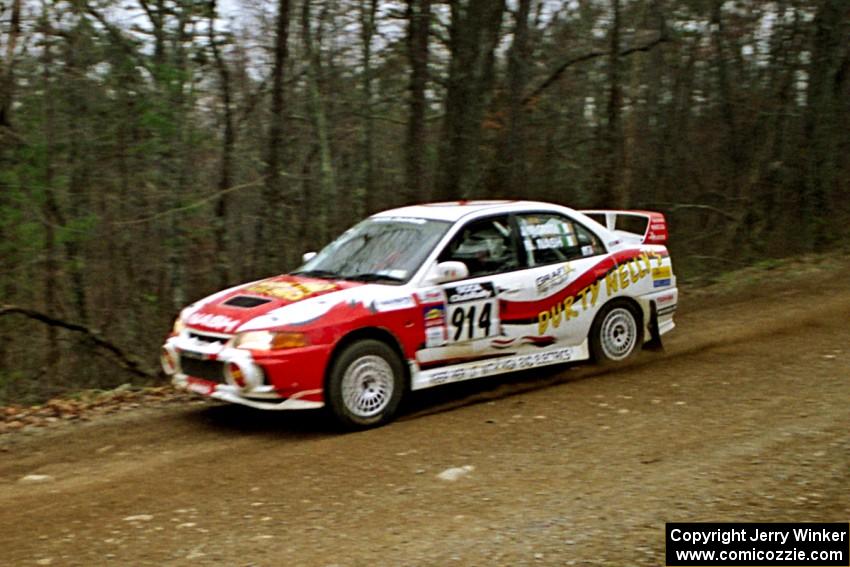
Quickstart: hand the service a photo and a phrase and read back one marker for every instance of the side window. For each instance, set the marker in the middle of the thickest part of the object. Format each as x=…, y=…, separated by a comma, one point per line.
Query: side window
x=549, y=239
x=486, y=246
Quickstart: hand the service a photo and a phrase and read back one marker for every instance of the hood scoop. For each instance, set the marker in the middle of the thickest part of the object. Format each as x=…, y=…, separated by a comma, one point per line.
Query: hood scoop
x=246, y=301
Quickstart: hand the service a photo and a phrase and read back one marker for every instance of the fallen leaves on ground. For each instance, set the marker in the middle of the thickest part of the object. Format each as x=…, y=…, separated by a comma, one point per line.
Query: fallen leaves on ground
x=85, y=405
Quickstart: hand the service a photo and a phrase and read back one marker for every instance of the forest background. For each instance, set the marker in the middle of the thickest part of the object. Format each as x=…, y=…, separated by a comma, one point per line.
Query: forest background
x=154, y=151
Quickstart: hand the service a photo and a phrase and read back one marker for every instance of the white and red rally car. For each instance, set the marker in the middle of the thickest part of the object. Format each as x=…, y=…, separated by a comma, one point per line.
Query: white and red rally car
x=427, y=295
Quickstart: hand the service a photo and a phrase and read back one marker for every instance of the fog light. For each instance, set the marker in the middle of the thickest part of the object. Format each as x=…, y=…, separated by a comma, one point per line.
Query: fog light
x=168, y=360
x=236, y=374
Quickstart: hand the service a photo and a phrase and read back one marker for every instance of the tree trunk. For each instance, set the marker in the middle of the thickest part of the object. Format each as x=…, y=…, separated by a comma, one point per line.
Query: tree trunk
x=473, y=36
x=328, y=206
x=721, y=62
x=820, y=133
x=611, y=193
x=510, y=169
x=53, y=217
x=7, y=70
x=225, y=177
x=79, y=202
x=655, y=190
x=418, y=30
x=270, y=229
x=364, y=203
x=178, y=164
x=7, y=86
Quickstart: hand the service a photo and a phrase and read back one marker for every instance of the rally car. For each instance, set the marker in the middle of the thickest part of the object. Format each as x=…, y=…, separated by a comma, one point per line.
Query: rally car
x=426, y=295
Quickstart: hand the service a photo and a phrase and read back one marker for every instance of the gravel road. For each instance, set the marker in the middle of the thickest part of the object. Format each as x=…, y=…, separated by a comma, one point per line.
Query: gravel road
x=745, y=417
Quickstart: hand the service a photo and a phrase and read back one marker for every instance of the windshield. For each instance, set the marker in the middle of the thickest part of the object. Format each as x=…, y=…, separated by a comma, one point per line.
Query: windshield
x=379, y=249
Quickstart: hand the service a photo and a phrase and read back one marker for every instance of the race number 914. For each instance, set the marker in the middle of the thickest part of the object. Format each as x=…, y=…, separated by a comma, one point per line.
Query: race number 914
x=473, y=311
x=475, y=320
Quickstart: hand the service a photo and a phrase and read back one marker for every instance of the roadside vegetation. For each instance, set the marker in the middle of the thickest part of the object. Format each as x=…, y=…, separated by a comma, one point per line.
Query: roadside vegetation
x=154, y=152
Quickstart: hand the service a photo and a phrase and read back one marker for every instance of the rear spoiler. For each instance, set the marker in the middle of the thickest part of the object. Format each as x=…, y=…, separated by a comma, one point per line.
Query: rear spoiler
x=649, y=226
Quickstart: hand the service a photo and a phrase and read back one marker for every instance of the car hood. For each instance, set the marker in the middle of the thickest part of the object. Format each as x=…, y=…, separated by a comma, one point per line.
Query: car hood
x=265, y=303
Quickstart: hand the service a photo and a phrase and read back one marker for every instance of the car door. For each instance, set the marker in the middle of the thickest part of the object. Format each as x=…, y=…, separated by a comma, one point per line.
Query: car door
x=560, y=288
x=468, y=321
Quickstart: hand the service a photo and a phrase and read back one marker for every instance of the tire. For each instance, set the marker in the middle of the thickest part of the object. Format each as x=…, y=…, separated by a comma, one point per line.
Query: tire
x=616, y=334
x=365, y=384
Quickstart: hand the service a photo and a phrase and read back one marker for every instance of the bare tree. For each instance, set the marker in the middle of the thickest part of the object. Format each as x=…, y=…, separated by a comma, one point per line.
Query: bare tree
x=328, y=205
x=228, y=141
x=473, y=35
x=270, y=228
x=418, y=31
x=367, y=13
x=7, y=69
x=510, y=167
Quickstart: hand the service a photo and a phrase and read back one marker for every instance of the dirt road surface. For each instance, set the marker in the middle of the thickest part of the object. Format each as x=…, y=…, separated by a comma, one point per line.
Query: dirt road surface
x=744, y=418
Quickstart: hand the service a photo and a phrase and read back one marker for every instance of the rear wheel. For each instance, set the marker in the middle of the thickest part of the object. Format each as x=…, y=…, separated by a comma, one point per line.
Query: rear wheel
x=365, y=384
x=616, y=333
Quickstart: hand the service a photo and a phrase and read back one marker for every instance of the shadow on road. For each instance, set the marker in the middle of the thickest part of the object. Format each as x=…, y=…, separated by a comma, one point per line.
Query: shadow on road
x=231, y=418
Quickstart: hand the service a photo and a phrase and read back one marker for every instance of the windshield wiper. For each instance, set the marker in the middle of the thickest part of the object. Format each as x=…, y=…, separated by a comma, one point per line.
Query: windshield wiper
x=373, y=277
x=322, y=274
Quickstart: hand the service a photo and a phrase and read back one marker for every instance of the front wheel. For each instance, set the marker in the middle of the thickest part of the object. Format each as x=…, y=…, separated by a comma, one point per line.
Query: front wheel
x=365, y=384
x=615, y=334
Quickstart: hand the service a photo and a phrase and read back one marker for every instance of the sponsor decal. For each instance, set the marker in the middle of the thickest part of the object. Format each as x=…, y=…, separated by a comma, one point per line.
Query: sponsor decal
x=547, y=236
x=221, y=322
x=394, y=304
x=553, y=279
x=290, y=291
x=664, y=298
x=434, y=316
x=411, y=220
x=661, y=273
x=470, y=292
x=500, y=365
x=435, y=325
x=661, y=276
x=430, y=296
x=625, y=274
x=435, y=336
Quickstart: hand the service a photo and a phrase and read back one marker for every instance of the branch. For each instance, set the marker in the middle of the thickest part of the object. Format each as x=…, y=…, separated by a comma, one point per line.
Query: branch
x=195, y=204
x=126, y=361
x=673, y=207
x=126, y=44
x=8, y=133
x=556, y=74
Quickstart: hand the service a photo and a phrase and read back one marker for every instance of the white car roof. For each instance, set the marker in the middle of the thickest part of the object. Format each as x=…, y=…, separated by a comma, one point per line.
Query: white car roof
x=453, y=211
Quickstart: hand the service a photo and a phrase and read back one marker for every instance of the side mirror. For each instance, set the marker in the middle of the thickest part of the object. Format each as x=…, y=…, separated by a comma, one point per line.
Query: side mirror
x=307, y=256
x=450, y=271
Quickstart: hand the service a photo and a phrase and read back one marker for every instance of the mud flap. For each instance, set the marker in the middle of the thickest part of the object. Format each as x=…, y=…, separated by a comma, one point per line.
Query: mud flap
x=654, y=342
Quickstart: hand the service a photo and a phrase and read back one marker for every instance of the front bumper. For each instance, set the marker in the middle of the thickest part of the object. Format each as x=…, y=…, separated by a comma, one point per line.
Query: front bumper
x=249, y=389
x=264, y=398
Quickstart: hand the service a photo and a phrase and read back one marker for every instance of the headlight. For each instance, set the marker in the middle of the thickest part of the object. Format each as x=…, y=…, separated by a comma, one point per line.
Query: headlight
x=179, y=325
x=269, y=340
